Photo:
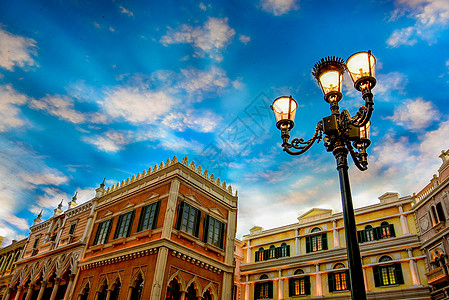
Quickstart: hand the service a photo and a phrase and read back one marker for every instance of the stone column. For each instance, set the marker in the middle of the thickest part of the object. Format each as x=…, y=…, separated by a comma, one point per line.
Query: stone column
x=130, y=292
x=19, y=291
x=403, y=219
x=69, y=287
x=171, y=209
x=297, y=243
x=183, y=295
x=336, y=235
x=90, y=220
x=413, y=269
x=318, y=284
x=226, y=292
x=55, y=288
x=281, y=289
x=108, y=294
x=42, y=289
x=247, y=288
x=8, y=293
x=248, y=252
x=161, y=262
x=30, y=291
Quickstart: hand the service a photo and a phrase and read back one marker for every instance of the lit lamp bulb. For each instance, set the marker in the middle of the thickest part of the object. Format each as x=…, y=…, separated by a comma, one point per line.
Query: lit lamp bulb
x=284, y=109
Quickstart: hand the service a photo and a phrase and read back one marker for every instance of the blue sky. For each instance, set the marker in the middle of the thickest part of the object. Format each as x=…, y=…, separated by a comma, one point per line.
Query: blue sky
x=106, y=89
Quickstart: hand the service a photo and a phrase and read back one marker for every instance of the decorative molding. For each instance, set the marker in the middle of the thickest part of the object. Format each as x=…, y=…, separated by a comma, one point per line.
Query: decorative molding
x=120, y=258
x=127, y=206
x=196, y=262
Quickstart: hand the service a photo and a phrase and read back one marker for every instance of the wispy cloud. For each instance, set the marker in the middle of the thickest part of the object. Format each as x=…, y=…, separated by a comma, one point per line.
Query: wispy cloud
x=16, y=50
x=244, y=39
x=196, y=82
x=59, y=106
x=431, y=16
x=126, y=11
x=415, y=114
x=209, y=39
x=201, y=121
x=110, y=141
x=137, y=105
x=279, y=7
x=9, y=110
x=50, y=177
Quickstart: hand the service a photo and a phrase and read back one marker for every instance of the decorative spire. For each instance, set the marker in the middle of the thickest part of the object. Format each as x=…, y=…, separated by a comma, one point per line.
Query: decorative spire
x=73, y=203
x=102, y=185
x=58, y=210
x=38, y=219
x=60, y=204
x=99, y=191
x=40, y=214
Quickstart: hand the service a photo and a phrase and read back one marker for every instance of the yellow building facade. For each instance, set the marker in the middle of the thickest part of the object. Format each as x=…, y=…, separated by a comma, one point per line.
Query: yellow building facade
x=308, y=259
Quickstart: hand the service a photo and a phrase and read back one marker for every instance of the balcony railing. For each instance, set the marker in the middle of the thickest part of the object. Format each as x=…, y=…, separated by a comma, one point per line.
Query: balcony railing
x=438, y=275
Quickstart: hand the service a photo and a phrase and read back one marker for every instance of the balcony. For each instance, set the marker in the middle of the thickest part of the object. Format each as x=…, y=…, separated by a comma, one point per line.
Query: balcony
x=438, y=275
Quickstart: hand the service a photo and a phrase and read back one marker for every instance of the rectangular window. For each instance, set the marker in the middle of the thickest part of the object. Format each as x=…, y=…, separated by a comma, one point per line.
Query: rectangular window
x=339, y=281
x=316, y=243
x=72, y=228
x=124, y=225
x=263, y=290
x=213, y=231
x=388, y=275
x=102, y=234
x=148, y=216
x=188, y=219
x=36, y=242
x=299, y=286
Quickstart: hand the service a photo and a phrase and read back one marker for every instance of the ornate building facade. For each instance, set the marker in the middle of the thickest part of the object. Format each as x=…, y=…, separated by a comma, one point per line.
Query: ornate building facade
x=166, y=233
x=8, y=256
x=307, y=259
x=432, y=216
x=48, y=264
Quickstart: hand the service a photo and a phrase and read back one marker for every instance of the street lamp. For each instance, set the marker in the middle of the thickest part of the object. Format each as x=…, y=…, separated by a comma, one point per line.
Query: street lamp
x=343, y=134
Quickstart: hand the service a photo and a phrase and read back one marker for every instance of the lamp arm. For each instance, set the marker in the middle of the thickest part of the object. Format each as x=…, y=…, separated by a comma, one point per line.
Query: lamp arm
x=358, y=158
x=296, y=143
x=364, y=113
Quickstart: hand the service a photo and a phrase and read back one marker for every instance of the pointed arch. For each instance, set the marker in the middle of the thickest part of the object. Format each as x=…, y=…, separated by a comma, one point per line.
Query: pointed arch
x=135, y=278
x=103, y=282
x=116, y=279
x=211, y=289
x=180, y=279
x=196, y=284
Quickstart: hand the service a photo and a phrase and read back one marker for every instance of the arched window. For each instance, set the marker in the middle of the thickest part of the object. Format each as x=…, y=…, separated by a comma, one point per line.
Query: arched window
x=207, y=295
x=272, y=252
x=136, y=293
x=85, y=292
x=300, y=285
x=299, y=272
x=264, y=290
x=103, y=292
x=116, y=291
x=385, y=230
x=173, y=290
x=387, y=274
x=316, y=242
x=338, y=281
x=369, y=233
x=191, y=293
x=259, y=254
x=284, y=250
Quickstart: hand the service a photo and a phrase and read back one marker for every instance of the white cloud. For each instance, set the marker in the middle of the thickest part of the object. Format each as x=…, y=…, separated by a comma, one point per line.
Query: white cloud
x=137, y=105
x=15, y=50
x=126, y=11
x=181, y=145
x=110, y=141
x=279, y=7
x=51, y=198
x=9, y=112
x=431, y=16
x=435, y=141
x=50, y=177
x=195, y=81
x=204, y=121
x=415, y=114
x=403, y=36
x=244, y=39
x=210, y=39
x=59, y=106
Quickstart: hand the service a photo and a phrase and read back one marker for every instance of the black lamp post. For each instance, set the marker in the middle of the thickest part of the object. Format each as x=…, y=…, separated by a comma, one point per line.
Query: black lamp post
x=343, y=134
